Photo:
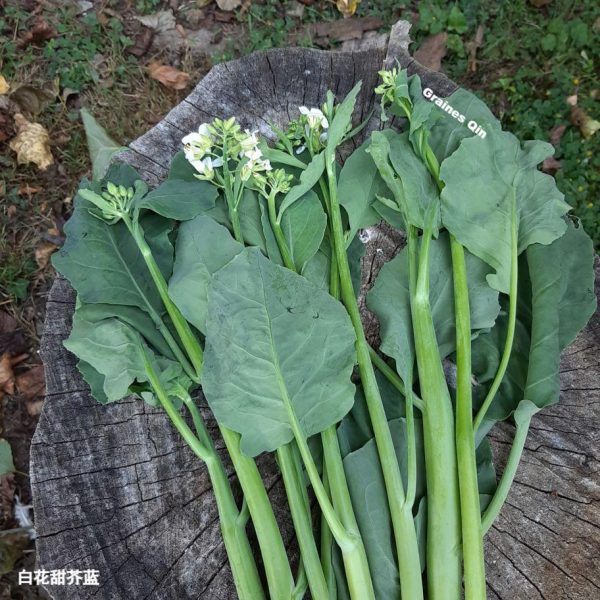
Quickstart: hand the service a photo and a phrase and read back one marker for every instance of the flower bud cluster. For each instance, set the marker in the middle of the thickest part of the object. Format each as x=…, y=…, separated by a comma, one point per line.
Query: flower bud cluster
x=115, y=201
x=222, y=140
x=309, y=130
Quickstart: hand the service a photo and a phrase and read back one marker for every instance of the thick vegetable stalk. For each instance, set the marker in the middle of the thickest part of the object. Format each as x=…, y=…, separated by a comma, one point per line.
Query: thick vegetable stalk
x=443, y=513
x=402, y=519
x=470, y=509
x=295, y=491
x=279, y=576
x=232, y=521
x=336, y=478
x=473, y=557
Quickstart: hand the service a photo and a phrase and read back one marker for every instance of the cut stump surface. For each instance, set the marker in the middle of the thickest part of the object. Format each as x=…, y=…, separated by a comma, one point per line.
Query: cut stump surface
x=116, y=490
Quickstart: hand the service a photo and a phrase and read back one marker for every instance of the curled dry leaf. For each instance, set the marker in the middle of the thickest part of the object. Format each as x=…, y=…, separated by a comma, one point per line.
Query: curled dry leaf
x=7, y=377
x=32, y=143
x=551, y=165
x=556, y=134
x=31, y=384
x=228, y=4
x=586, y=124
x=43, y=252
x=169, y=76
x=160, y=21
x=347, y=7
x=4, y=85
x=432, y=50
x=40, y=31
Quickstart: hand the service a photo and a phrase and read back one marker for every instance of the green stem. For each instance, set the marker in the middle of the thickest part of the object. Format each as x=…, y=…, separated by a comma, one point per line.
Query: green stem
x=508, y=476
x=302, y=523
x=402, y=520
x=393, y=377
x=473, y=557
x=301, y=585
x=184, y=331
x=241, y=558
x=353, y=552
x=510, y=334
x=327, y=546
x=278, y=232
x=443, y=509
x=280, y=580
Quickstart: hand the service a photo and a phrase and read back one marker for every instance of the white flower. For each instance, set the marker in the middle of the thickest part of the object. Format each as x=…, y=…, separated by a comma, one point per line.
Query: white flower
x=254, y=154
x=315, y=117
x=252, y=167
x=206, y=167
x=249, y=143
x=197, y=143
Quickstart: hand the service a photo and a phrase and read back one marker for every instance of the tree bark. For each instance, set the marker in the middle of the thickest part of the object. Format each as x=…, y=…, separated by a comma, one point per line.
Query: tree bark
x=116, y=490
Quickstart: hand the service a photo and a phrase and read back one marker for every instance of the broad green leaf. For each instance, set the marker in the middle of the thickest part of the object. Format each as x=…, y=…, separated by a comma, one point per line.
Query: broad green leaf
x=316, y=270
x=251, y=222
x=309, y=177
x=181, y=168
x=94, y=379
x=367, y=489
x=359, y=184
x=342, y=120
x=408, y=179
x=455, y=118
x=422, y=112
x=355, y=429
x=563, y=300
x=203, y=247
x=119, y=174
x=276, y=156
x=100, y=146
x=115, y=351
x=303, y=226
x=131, y=315
x=491, y=182
x=6, y=458
x=275, y=345
x=556, y=290
x=104, y=265
x=179, y=199
x=389, y=299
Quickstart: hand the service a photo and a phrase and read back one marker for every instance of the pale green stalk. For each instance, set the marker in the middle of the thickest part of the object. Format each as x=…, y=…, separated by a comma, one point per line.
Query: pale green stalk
x=402, y=520
x=473, y=557
x=443, y=509
x=239, y=552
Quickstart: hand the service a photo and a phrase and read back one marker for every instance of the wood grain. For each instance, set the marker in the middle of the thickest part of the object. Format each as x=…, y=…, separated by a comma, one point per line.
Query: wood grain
x=115, y=489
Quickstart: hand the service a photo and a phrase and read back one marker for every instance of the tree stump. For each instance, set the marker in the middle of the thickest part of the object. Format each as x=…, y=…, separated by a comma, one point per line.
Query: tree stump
x=116, y=490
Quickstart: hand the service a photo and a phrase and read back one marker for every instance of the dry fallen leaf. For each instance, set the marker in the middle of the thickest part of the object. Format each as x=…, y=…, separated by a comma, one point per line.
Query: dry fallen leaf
x=586, y=124
x=556, y=134
x=7, y=377
x=347, y=7
x=31, y=99
x=551, y=165
x=4, y=85
x=40, y=31
x=160, y=21
x=32, y=143
x=31, y=384
x=169, y=76
x=43, y=252
x=432, y=50
x=228, y=4
x=28, y=190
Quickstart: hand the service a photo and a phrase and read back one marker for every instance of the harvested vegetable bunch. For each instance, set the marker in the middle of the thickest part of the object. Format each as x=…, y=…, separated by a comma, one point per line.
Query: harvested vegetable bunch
x=240, y=273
